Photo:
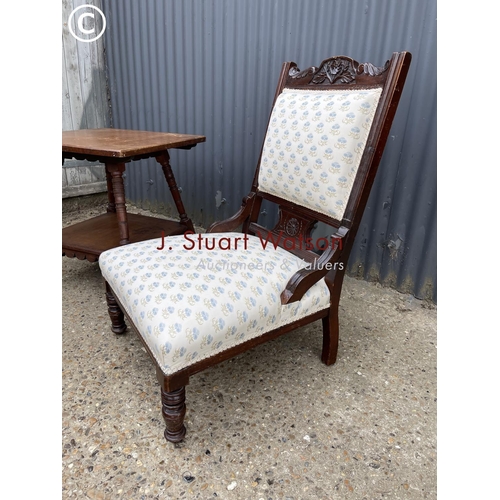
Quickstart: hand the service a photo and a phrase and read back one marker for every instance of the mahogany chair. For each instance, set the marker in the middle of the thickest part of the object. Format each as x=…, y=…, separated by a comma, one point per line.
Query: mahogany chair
x=197, y=300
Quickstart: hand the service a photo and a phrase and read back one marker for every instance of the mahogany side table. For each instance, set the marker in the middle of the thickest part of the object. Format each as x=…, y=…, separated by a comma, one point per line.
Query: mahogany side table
x=114, y=148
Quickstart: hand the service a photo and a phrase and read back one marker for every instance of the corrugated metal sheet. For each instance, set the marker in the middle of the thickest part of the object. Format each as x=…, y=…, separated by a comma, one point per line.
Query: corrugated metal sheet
x=211, y=66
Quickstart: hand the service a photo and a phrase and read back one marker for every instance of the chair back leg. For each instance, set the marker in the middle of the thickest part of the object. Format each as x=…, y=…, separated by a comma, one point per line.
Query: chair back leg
x=331, y=322
x=330, y=336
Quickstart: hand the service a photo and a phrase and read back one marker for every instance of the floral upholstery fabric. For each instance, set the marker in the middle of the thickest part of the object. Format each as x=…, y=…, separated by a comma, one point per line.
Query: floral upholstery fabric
x=314, y=144
x=189, y=301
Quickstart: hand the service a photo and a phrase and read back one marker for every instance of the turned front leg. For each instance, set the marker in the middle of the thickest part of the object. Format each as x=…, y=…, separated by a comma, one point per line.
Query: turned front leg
x=173, y=411
x=115, y=313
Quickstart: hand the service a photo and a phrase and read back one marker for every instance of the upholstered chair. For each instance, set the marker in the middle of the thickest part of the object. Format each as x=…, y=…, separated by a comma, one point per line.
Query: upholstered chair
x=198, y=299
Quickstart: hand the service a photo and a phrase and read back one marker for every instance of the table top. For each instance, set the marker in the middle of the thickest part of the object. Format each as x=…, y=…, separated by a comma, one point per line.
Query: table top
x=120, y=143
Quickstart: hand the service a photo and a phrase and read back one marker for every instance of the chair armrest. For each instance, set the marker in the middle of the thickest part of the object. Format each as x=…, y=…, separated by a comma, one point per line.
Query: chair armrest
x=236, y=220
x=305, y=278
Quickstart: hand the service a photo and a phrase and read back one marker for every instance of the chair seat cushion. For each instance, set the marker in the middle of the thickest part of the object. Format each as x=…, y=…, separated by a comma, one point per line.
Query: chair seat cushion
x=202, y=294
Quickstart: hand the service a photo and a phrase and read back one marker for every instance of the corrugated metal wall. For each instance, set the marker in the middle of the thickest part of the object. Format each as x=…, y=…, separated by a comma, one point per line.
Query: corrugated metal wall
x=84, y=101
x=211, y=66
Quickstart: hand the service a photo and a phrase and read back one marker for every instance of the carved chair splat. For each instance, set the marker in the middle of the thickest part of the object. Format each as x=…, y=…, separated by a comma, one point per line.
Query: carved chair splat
x=196, y=308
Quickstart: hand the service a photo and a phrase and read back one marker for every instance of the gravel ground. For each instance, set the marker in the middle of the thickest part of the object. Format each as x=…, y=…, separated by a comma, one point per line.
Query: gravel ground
x=273, y=423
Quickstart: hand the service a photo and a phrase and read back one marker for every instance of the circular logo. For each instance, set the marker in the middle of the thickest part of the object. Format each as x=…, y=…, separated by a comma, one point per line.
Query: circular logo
x=86, y=23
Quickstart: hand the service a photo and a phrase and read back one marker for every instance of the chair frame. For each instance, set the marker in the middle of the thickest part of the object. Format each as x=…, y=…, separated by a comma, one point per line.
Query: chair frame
x=297, y=222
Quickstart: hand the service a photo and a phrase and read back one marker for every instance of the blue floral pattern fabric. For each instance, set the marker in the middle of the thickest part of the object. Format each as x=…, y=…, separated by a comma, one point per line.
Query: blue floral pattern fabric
x=314, y=144
x=189, y=301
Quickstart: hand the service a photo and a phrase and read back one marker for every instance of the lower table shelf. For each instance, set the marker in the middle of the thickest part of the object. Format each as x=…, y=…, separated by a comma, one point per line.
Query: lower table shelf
x=88, y=239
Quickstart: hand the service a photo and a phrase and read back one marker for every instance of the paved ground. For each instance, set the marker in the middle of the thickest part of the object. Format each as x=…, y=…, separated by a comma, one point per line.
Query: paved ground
x=273, y=423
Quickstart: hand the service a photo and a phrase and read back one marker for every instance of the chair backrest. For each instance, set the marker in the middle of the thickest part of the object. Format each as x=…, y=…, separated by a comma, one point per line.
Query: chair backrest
x=325, y=137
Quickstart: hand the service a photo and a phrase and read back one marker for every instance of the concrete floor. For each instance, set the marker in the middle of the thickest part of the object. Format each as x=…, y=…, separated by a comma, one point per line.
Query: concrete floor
x=273, y=423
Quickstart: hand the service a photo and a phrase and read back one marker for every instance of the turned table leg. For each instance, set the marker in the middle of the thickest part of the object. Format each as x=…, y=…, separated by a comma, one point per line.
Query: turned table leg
x=164, y=160
x=111, y=197
x=116, y=173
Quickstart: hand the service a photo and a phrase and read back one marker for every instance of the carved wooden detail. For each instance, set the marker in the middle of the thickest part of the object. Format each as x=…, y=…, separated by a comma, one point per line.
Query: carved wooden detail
x=292, y=225
x=292, y=232
x=338, y=70
x=372, y=70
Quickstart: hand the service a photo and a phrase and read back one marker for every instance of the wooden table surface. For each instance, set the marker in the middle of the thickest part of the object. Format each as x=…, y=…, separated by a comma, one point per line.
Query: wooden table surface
x=119, y=143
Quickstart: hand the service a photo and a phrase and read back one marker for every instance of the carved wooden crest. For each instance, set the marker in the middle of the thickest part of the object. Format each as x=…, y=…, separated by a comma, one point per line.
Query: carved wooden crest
x=338, y=70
